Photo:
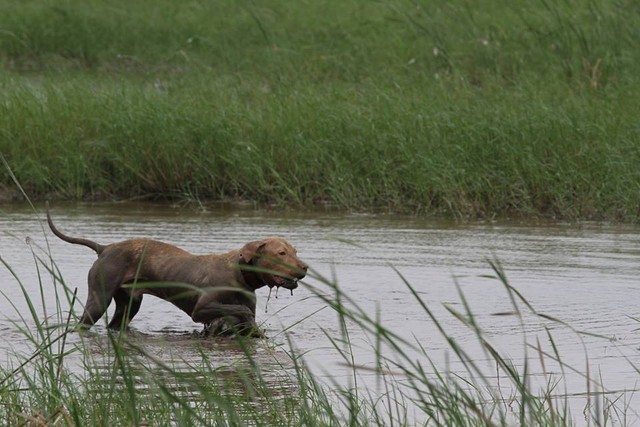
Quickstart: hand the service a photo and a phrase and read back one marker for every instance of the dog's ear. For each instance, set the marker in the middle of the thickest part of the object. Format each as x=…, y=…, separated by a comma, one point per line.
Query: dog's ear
x=250, y=250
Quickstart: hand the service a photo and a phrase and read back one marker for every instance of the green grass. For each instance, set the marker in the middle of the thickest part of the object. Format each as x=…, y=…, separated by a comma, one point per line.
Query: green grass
x=456, y=108
x=121, y=381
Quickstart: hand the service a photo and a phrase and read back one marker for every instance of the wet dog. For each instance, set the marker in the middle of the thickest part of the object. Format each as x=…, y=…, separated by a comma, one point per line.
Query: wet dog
x=217, y=290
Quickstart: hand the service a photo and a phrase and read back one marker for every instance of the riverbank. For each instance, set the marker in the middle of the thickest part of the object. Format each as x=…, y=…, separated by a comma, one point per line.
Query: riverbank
x=516, y=108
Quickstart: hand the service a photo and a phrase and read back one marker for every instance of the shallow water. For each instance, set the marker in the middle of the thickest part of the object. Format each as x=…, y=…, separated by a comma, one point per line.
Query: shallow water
x=586, y=275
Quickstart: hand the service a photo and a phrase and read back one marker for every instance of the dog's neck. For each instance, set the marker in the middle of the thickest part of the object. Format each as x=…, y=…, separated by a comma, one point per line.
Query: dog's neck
x=251, y=278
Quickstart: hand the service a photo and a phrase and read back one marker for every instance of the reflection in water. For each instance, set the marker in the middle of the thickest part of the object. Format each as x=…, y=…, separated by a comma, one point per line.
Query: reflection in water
x=586, y=275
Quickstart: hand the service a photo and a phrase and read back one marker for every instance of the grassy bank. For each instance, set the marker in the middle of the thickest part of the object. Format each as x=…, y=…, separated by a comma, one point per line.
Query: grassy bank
x=463, y=109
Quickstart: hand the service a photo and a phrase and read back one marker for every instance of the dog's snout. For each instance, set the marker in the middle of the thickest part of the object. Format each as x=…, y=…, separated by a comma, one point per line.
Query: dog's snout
x=301, y=268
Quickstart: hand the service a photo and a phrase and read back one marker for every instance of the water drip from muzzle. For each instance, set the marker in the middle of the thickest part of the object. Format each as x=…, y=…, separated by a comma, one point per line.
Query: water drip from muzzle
x=266, y=306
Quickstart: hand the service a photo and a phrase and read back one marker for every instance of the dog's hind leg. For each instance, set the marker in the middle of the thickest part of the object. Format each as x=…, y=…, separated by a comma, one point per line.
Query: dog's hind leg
x=102, y=288
x=94, y=308
x=127, y=307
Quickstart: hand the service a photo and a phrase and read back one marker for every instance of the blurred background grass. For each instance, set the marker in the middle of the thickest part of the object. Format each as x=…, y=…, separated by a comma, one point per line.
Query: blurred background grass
x=455, y=108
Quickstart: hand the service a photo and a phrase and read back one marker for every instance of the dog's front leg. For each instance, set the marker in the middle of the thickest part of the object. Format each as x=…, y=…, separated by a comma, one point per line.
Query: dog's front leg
x=226, y=319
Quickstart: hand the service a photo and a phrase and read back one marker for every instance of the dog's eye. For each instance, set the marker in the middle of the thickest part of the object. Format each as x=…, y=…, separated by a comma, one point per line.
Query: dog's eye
x=282, y=253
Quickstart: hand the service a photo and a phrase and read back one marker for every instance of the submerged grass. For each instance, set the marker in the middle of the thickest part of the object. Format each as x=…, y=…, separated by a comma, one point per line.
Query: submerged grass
x=414, y=106
x=120, y=381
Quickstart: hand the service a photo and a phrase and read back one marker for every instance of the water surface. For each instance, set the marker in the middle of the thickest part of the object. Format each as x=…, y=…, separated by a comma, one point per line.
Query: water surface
x=584, y=274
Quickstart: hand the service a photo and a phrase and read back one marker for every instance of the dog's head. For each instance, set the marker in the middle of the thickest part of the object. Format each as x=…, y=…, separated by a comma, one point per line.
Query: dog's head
x=274, y=261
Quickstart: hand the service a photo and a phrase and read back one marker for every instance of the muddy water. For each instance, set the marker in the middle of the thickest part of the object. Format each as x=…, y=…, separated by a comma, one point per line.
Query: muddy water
x=586, y=275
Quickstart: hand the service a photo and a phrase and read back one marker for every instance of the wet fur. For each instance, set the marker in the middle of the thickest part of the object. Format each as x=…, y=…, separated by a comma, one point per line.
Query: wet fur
x=217, y=290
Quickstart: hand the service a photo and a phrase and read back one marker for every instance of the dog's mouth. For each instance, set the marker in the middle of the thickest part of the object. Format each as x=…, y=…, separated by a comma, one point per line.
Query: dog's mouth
x=284, y=282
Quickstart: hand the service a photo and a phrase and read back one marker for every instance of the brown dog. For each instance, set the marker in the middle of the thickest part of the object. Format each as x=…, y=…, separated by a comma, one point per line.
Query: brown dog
x=217, y=290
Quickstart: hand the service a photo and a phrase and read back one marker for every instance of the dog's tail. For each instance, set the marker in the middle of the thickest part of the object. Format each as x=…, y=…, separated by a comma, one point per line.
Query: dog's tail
x=76, y=240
